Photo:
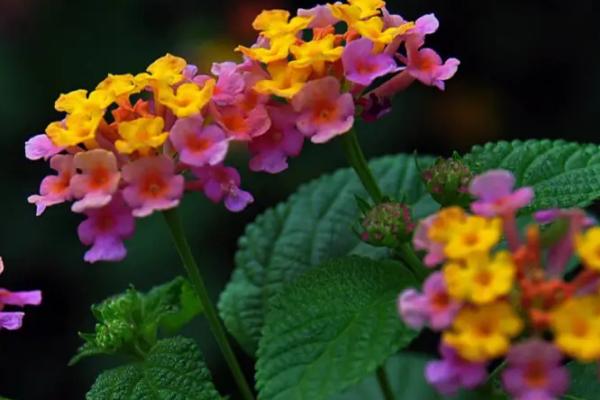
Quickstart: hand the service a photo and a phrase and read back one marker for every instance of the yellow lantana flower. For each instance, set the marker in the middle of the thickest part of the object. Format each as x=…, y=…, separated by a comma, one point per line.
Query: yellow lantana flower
x=346, y=12
x=445, y=223
x=76, y=129
x=78, y=101
x=316, y=53
x=189, y=99
x=368, y=8
x=141, y=134
x=279, y=49
x=372, y=29
x=285, y=81
x=588, y=247
x=120, y=85
x=484, y=332
x=274, y=23
x=480, y=279
x=576, y=326
x=167, y=69
x=476, y=235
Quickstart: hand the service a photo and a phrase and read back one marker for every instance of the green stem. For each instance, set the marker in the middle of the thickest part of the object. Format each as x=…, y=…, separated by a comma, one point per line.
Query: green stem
x=185, y=253
x=357, y=160
x=410, y=258
x=384, y=384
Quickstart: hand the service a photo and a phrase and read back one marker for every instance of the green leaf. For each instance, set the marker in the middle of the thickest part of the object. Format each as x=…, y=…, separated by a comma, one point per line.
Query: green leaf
x=172, y=369
x=331, y=328
x=314, y=225
x=563, y=174
x=584, y=381
x=129, y=322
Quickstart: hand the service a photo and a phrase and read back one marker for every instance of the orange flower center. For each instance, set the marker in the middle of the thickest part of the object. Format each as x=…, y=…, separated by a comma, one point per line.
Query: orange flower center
x=535, y=375
x=153, y=185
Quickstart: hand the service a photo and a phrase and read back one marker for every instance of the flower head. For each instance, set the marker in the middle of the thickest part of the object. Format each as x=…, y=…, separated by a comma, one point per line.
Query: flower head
x=12, y=320
x=97, y=180
x=55, y=189
x=453, y=372
x=223, y=183
x=142, y=134
x=199, y=144
x=495, y=195
x=475, y=235
x=362, y=67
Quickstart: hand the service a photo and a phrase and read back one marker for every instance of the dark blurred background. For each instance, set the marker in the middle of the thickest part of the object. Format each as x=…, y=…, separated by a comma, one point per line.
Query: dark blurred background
x=529, y=70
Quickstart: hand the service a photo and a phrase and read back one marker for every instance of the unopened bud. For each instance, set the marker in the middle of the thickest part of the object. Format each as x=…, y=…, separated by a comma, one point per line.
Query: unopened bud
x=448, y=182
x=387, y=224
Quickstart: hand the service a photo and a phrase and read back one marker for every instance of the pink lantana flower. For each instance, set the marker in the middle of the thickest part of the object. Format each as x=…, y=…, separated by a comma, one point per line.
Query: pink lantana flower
x=41, y=147
x=434, y=307
x=427, y=66
x=152, y=184
x=324, y=111
x=241, y=123
x=322, y=16
x=452, y=372
x=97, y=180
x=434, y=250
x=105, y=229
x=495, y=195
x=361, y=66
x=271, y=150
x=55, y=189
x=223, y=183
x=13, y=320
x=198, y=144
x=535, y=372
x=230, y=83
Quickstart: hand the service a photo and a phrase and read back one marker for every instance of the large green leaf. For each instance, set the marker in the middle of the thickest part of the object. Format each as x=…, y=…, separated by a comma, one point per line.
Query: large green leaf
x=331, y=328
x=585, y=384
x=314, y=225
x=563, y=174
x=173, y=369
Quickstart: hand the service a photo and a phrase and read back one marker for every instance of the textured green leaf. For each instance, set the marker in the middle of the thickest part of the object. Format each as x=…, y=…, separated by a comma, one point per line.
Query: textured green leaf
x=172, y=370
x=314, y=225
x=563, y=174
x=129, y=322
x=331, y=328
x=585, y=384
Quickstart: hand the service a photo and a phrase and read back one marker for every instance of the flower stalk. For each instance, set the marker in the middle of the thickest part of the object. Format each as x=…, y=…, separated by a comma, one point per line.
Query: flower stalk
x=358, y=162
x=191, y=267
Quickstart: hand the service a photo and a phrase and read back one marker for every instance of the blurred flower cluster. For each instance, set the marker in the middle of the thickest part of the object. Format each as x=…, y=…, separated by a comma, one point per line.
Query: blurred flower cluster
x=134, y=144
x=493, y=300
x=13, y=320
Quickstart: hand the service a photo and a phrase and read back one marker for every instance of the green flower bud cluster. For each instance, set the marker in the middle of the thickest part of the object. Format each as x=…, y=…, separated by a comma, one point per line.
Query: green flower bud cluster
x=447, y=180
x=387, y=224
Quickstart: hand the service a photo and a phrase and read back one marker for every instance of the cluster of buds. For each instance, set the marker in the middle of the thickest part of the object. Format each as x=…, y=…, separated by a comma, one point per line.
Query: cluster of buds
x=490, y=302
x=136, y=143
x=447, y=180
x=12, y=320
x=387, y=224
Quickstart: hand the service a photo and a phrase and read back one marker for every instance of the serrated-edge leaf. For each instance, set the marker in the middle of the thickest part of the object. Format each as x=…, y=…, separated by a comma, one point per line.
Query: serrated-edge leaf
x=312, y=226
x=172, y=370
x=331, y=328
x=562, y=173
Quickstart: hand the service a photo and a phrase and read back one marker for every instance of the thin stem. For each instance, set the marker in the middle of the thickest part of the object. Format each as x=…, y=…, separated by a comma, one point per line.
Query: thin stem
x=384, y=384
x=408, y=255
x=183, y=248
x=357, y=160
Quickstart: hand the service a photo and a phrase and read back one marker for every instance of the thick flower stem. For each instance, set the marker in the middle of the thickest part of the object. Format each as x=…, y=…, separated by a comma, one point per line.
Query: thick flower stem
x=357, y=160
x=183, y=248
x=408, y=255
x=384, y=384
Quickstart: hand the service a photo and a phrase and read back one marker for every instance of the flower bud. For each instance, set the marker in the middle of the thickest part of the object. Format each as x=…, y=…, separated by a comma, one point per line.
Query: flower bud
x=387, y=224
x=448, y=182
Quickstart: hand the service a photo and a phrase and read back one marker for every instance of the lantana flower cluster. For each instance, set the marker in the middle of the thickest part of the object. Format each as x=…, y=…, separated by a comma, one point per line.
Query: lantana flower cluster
x=13, y=320
x=492, y=300
x=136, y=143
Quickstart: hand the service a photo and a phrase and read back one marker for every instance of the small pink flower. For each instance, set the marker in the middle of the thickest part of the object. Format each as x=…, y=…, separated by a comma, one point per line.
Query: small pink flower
x=324, y=111
x=97, y=180
x=361, y=66
x=13, y=320
x=534, y=371
x=105, y=229
x=421, y=241
x=271, y=150
x=230, y=83
x=152, y=185
x=223, y=183
x=198, y=144
x=55, y=189
x=322, y=16
x=241, y=123
x=495, y=195
x=427, y=66
x=40, y=146
x=434, y=307
x=452, y=372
